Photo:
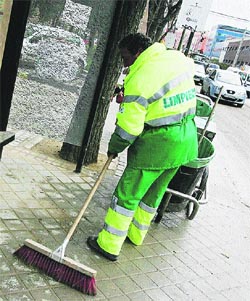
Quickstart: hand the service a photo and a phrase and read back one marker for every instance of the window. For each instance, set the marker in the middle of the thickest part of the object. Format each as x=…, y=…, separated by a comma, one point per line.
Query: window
x=212, y=75
x=69, y=37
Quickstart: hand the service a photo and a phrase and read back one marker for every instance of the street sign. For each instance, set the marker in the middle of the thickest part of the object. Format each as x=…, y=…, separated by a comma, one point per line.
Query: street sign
x=194, y=13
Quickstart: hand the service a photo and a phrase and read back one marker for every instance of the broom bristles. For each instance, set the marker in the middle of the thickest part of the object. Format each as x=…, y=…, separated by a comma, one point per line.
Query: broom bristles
x=58, y=271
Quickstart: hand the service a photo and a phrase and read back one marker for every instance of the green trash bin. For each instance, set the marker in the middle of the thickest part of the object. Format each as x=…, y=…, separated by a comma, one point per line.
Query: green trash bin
x=204, y=106
x=206, y=152
x=189, y=175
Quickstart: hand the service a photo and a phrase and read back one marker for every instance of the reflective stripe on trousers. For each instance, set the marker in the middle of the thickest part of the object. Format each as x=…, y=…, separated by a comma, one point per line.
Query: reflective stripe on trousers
x=115, y=228
x=138, y=194
x=140, y=223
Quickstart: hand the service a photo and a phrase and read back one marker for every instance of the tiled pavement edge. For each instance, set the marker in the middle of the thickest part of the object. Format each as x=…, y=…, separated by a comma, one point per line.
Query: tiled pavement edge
x=203, y=259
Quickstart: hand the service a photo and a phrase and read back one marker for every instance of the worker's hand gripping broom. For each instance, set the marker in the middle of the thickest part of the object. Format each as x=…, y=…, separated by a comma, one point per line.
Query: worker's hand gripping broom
x=55, y=264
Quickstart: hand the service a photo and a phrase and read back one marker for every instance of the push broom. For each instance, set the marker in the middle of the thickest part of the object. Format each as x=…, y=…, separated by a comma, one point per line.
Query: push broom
x=54, y=263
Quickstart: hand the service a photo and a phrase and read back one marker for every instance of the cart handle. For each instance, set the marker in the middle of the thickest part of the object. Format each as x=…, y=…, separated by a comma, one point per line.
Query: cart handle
x=191, y=215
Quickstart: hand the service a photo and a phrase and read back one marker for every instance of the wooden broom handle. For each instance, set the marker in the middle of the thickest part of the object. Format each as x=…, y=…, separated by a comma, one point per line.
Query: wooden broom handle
x=87, y=201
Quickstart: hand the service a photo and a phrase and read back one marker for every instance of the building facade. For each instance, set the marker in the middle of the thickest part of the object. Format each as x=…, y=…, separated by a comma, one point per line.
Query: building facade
x=243, y=54
x=218, y=35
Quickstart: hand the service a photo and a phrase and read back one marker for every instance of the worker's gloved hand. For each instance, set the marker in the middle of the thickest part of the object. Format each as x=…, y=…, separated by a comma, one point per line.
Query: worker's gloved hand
x=110, y=154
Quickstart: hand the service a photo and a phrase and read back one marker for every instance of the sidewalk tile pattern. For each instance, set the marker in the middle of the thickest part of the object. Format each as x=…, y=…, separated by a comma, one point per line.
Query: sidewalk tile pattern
x=203, y=259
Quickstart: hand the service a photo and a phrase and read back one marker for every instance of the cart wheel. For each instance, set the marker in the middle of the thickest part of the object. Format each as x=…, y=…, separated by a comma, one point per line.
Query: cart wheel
x=192, y=209
x=203, y=183
x=201, y=188
x=158, y=218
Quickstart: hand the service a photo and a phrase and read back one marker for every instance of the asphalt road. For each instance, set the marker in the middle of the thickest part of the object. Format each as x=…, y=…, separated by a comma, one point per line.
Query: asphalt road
x=230, y=169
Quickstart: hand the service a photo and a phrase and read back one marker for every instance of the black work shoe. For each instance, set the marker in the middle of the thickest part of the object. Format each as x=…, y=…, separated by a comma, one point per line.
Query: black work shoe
x=92, y=243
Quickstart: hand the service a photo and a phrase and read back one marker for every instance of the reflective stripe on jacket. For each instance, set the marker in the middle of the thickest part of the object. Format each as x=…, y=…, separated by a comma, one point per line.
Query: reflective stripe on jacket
x=159, y=90
x=156, y=117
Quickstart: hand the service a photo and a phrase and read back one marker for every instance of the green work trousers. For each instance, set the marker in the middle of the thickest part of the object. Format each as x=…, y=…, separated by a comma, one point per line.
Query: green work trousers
x=135, y=201
x=147, y=186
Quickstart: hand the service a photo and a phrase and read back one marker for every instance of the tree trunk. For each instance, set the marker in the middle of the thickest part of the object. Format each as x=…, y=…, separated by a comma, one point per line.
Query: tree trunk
x=126, y=20
x=128, y=16
x=161, y=13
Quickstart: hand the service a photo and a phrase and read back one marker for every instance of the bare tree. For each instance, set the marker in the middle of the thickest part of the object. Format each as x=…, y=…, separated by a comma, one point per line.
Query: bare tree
x=160, y=14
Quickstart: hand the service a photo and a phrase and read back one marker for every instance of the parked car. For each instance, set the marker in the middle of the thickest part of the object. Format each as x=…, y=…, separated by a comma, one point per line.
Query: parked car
x=247, y=84
x=233, y=69
x=233, y=88
x=199, y=57
x=199, y=72
x=243, y=74
x=211, y=66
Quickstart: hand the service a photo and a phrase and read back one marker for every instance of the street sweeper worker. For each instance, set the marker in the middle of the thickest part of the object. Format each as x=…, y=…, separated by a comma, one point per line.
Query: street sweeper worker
x=156, y=123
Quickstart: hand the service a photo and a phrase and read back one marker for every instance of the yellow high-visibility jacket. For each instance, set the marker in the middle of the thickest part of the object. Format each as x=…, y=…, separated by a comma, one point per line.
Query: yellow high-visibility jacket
x=156, y=117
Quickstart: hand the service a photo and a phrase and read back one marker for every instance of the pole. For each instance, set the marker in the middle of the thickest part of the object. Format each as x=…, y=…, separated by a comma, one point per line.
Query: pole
x=190, y=41
x=182, y=37
x=239, y=49
x=11, y=55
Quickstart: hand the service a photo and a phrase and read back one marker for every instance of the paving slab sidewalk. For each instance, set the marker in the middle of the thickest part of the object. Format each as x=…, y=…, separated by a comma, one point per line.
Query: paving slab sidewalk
x=203, y=259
